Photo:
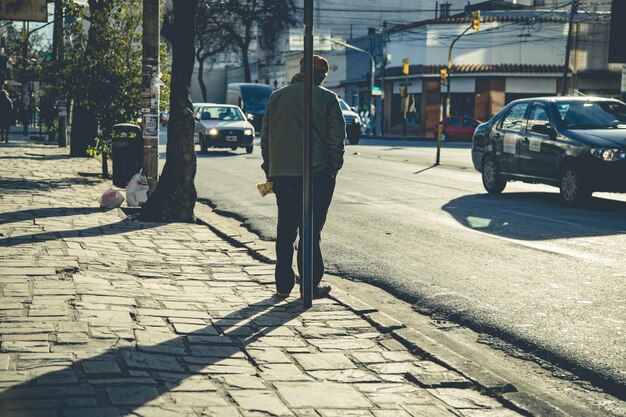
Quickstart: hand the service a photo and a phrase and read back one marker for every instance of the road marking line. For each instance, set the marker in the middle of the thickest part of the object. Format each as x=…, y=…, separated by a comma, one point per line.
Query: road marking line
x=542, y=218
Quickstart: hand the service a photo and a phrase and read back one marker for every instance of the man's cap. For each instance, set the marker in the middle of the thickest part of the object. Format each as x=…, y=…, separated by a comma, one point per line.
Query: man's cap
x=320, y=64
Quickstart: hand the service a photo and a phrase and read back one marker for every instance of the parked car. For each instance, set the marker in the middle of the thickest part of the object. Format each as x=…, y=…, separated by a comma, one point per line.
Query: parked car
x=223, y=126
x=353, y=123
x=456, y=127
x=576, y=144
x=251, y=98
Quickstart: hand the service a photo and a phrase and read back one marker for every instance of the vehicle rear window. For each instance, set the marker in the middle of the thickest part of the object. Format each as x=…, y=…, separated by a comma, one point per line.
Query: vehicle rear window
x=452, y=122
x=220, y=113
x=592, y=115
x=468, y=123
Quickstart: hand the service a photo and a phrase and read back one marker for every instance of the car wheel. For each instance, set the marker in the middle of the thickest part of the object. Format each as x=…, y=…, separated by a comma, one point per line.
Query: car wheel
x=233, y=148
x=443, y=136
x=203, y=145
x=492, y=180
x=574, y=190
x=249, y=149
x=354, y=140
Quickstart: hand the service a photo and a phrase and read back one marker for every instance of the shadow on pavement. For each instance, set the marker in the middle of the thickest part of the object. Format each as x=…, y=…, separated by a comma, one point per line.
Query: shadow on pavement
x=21, y=185
x=537, y=216
x=122, y=226
x=33, y=214
x=109, y=378
x=217, y=154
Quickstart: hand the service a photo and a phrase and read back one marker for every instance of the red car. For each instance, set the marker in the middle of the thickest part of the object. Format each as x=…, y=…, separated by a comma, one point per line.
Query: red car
x=456, y=127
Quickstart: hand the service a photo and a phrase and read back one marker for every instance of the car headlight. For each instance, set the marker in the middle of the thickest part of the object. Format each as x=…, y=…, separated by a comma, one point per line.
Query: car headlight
x=357, y=120
x=247, y=132
x=608, y=154
x=214, y=132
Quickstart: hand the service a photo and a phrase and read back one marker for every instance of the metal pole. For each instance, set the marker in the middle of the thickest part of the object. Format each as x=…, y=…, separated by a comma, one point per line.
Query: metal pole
x=58, y=54
x=446, y=107
x=307, y=179
x=405, y=103
x=568, y=47
x=150, y=92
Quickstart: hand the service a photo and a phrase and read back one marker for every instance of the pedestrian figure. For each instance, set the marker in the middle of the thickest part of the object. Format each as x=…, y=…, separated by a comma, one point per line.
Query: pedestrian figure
x=282, y=145
x=6, y=115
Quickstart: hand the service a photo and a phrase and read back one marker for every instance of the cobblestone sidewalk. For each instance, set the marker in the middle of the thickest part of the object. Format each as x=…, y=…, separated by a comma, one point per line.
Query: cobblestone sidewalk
x=105, y=317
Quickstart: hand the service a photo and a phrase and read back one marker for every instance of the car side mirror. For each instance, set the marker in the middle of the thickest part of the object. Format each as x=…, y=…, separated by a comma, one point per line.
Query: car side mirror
x=546, y=130
x=250, y=117
x=197, y=117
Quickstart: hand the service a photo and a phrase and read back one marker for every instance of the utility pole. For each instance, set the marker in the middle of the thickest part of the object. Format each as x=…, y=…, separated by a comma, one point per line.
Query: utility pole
x=58, y=55
x=382, y=82
x=150, y=91
x=568, y=47
x=404, y=93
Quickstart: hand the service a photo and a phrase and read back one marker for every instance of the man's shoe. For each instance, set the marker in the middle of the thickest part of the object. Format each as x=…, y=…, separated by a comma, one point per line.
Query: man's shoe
x=321, y=291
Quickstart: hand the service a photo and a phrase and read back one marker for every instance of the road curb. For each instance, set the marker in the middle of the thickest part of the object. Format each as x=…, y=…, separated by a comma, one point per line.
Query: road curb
x=415, y=341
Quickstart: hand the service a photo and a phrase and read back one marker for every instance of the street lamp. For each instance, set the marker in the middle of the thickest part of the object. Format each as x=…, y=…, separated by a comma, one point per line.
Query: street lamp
x=373, y=70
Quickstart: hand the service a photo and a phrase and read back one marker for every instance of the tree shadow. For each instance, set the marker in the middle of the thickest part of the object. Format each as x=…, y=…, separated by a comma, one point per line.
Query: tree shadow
x=122, y=226
x=40, y=213
x=537, y=216
x=129, y=377
x=21, y=185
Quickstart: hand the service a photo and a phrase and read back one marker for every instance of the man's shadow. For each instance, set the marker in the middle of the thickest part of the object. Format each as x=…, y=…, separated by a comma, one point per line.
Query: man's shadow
x=48, y=395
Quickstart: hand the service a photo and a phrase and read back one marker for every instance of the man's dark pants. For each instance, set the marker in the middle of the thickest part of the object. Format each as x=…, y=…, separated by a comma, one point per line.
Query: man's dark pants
x=288, y=192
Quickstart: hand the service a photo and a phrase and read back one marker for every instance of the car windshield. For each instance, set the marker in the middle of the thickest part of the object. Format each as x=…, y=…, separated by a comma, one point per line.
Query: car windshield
x=592, y=115
x=221, y=113
x=344, y=106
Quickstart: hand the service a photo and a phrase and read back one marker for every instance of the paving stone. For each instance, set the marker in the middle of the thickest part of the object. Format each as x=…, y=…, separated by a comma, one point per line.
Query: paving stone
x=188, y=383
x=391, y=413
x=228, y=411
x=242, y=381
x=196, y=329
x=393, y=368
x=345, y=376
x=324, y=361
x=5, y=361
x=499, y=412
x=344, y=413
x=209, y=340
x=263, y=401
x=464, y=398
x=173, y=313
x=72, y=327
x=430, y=374
x=430, y=410
x=149, y=361
x=269, y=355
x=72, y=338
x=282, y=372
x=132, y=395
x=160, y=342
x=35, y=393
x=151, y=411
x=54, y=375
x=106, y=365
x=216, y=351
x=197, y=399
x=20, y=346
x=91, y=412
x=342, y=344
x=320, y=394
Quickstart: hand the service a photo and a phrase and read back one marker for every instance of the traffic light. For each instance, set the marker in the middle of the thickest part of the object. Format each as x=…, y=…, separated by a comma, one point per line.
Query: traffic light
x=476, y=20
x=444, y=76
x=405, y=66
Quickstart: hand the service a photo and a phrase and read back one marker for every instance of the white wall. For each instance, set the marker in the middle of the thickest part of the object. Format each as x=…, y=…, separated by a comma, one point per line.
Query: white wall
x=495, y=43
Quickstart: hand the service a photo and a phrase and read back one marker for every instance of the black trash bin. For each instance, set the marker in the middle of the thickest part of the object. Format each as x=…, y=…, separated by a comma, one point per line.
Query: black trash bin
x=127, y=152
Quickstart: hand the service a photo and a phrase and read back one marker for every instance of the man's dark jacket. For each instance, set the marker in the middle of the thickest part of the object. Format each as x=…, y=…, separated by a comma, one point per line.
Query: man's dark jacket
x=282, y=132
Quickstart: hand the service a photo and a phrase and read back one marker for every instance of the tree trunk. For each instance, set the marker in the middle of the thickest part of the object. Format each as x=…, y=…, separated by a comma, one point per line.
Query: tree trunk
x=246, y=65
x=84, y=131
x=201, y=60
x=175, y=196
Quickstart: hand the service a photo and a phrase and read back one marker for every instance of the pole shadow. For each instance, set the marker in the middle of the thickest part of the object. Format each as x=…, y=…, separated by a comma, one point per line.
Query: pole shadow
x=65, y=392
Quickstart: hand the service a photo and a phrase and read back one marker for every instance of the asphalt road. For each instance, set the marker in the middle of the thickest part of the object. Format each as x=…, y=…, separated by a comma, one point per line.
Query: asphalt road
x=519, y=265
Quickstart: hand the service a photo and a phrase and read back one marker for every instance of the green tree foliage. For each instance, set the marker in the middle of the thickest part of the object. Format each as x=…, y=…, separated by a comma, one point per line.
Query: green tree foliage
x=101, y=71
x=236, y=23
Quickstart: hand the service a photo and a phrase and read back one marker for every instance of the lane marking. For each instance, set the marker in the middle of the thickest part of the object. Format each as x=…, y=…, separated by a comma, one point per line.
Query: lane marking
x=543, y=218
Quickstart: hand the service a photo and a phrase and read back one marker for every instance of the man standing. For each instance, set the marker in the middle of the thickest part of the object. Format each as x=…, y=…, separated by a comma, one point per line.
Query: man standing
x=282, y=145
x=6, y=114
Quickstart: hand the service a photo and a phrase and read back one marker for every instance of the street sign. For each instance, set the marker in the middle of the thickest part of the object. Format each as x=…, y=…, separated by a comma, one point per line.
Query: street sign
x=321, y=40
x=377, y=91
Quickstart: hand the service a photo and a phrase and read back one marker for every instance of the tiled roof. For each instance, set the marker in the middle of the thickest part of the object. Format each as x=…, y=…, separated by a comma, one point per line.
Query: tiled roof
x=477, y=69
